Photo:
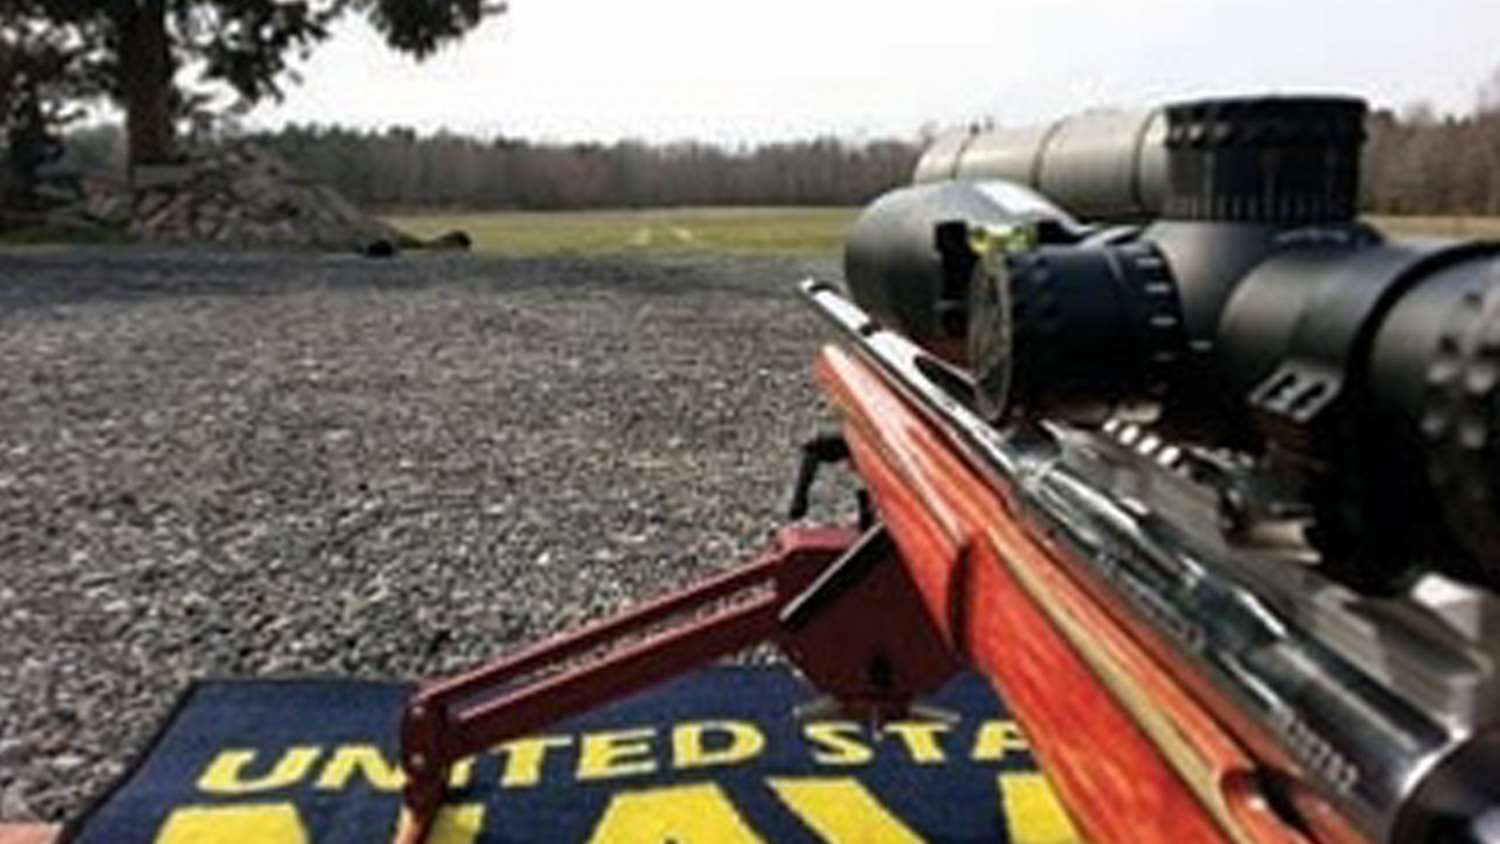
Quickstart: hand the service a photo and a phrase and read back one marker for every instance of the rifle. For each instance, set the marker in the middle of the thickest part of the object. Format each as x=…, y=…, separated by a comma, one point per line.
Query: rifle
x=1207, y=490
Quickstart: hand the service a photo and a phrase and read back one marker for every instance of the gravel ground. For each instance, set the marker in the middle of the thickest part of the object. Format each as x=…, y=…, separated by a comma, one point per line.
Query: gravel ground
x=253, y=464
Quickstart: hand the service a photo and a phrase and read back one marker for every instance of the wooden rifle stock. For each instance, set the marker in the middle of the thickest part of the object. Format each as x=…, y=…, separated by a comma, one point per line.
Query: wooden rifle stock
x=1131, y=754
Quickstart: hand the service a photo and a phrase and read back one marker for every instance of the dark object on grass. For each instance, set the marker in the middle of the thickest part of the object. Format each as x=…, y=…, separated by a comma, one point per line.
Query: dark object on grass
x=380, y=248
x=458, y=240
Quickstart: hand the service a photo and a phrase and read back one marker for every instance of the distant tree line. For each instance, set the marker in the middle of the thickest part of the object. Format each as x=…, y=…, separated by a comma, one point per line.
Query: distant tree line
x=1415, y=163
x=398, y=167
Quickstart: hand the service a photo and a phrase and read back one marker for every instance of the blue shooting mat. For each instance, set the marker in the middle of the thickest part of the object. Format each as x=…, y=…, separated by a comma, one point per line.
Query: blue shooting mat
x=716, y=755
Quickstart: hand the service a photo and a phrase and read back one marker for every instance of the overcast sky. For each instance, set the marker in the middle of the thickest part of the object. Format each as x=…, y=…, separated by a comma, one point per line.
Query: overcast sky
x=778, y=69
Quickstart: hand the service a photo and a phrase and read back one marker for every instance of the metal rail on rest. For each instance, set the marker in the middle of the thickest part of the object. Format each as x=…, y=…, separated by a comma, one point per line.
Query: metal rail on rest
x=1358, y=698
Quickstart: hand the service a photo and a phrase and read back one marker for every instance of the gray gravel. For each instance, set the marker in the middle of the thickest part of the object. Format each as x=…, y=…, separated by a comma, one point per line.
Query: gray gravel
x=250, y=465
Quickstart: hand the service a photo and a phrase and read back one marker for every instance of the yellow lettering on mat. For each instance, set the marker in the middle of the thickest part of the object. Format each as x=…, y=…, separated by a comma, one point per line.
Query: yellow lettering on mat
x=1031, y=809
x=226, y=773
x=996, y=739
x=837, y=742
x=524, y=758
x=617, y=753
x=688, y=751
x=268, y=823
x=689, y=814
x=459, y=824
x=379, y=772
x=921, y=739
x=841, y=810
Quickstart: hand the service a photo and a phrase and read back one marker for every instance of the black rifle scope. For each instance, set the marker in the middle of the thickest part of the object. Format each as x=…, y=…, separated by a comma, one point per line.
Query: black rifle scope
x=1216, y=284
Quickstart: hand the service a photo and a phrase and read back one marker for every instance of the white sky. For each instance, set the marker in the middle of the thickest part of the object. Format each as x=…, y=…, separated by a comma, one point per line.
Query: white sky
x=780, y=69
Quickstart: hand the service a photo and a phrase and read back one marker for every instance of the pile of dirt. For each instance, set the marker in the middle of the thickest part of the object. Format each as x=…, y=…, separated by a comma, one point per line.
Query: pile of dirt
x=242, y=196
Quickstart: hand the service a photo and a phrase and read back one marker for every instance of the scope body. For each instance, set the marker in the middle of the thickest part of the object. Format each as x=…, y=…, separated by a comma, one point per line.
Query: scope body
x=1217, y=286
x=1104, y=165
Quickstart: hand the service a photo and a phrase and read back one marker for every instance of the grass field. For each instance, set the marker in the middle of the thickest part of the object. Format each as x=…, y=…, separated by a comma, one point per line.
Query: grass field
x=779, y=231
x=787, y=231
x=1456, y=227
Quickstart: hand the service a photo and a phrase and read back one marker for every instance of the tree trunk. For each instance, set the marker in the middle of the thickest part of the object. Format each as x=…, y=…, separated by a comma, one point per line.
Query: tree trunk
x=146, y=82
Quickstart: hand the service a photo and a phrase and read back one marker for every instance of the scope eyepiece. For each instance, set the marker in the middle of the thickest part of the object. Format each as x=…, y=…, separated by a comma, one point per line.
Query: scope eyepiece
x=1081, y=333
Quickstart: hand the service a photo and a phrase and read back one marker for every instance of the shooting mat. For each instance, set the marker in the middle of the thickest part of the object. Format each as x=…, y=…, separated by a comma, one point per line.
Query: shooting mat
x=715, y=756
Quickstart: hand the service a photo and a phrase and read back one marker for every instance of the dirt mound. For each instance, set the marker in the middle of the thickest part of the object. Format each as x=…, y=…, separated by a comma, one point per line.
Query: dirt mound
x=242, y=196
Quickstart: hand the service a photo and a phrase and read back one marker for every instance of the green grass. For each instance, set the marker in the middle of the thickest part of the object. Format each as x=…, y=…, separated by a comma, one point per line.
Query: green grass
x=59, y=236
x=1454, y=227
x=783, y=231
x=777, y=231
